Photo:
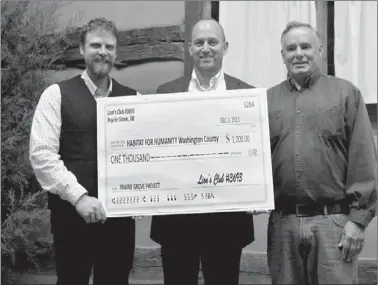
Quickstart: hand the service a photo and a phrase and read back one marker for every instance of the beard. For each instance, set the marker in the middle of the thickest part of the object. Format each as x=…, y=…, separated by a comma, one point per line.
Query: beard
x=100, y=68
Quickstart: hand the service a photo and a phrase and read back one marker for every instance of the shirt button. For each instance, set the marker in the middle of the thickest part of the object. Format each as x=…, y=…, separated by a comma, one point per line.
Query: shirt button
x=297, y=153
x=298, y=111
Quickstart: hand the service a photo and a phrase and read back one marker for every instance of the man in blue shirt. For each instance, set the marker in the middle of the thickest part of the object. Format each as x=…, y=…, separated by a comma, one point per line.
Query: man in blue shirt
x=324, y=169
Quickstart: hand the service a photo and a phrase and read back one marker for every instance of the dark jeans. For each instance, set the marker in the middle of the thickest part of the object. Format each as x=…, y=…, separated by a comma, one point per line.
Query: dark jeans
x=303, y=250
x=220, y=265
x=108, y=248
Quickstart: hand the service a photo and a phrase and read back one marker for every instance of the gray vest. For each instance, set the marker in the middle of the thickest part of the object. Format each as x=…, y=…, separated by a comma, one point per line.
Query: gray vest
x=78, y=145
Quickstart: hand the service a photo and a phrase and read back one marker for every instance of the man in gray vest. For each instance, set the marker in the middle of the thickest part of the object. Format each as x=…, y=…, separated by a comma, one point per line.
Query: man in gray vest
x=63, y=154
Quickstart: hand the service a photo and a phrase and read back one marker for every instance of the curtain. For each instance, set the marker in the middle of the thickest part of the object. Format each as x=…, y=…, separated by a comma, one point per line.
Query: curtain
x=253, y=30
x=356, y=45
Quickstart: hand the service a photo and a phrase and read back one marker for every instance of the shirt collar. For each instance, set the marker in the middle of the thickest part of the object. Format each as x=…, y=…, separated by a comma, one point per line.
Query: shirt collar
x=308, y=83
x=214, y=81
x=93, y=88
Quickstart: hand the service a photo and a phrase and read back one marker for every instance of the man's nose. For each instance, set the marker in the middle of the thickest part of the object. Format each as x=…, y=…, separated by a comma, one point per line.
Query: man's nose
x=299, y=52
x=102, y=50
x=205, y=47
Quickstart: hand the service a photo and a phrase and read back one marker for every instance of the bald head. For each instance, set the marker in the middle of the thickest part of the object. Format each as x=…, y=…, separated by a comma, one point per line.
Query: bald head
x=209, y=24
x=207, y=47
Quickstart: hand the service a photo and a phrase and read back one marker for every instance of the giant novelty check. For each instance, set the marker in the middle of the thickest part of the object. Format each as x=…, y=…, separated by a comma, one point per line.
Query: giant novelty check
x=184, y=153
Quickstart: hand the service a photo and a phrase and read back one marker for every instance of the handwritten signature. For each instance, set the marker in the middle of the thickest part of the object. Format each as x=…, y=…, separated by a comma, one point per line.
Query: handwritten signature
x=216, y=179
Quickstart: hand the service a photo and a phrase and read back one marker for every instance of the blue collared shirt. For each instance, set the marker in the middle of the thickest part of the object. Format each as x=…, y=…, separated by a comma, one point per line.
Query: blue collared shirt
x=322, y=145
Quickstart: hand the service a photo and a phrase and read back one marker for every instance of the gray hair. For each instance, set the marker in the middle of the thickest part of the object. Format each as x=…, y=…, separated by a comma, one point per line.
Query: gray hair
x=98, y=24
x=295, y=24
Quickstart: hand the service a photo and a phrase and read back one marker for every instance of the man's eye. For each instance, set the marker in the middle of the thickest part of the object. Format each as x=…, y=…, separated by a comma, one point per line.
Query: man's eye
x=213, y=42
x=199, y=43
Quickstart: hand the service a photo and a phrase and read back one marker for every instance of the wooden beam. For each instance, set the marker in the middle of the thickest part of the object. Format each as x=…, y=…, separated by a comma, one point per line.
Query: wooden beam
x=133, y=36
x=135, y=46
x=194, y=11
x=206, y=9
x=129, y=55
x=322, y=27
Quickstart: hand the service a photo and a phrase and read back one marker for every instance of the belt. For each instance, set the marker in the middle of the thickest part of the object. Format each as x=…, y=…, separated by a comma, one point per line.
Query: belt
x=306, y=210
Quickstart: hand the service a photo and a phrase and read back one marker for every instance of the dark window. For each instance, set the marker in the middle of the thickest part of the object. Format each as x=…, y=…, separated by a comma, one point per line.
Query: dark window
x=215, y=10
x=331, y=37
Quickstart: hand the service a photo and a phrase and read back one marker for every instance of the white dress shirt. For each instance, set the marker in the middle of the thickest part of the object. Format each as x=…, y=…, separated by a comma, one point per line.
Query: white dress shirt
x=49, y=169
x=217, y=83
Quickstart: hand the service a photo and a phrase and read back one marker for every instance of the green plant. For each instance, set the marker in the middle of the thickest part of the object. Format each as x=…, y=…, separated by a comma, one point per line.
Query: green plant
x=24, y=219
x=29, y=47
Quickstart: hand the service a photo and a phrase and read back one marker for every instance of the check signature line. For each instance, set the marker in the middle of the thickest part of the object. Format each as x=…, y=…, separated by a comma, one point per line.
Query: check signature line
x=229, y=185
x=192, y=155
x=207, y=157
x=173, y=145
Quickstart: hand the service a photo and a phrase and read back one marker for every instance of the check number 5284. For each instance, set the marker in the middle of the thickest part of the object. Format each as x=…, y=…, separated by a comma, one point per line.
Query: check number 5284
x=249, y=104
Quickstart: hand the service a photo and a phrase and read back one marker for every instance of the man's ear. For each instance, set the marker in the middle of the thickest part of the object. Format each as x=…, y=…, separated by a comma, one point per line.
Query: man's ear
x=225, y=48
x=81, y=49
x=190, y=48
x=320, y=49
x=282, y=56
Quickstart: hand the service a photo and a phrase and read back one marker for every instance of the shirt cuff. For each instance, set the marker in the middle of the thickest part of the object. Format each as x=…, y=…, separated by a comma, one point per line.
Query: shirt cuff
x=75, y=193
x=360, y=216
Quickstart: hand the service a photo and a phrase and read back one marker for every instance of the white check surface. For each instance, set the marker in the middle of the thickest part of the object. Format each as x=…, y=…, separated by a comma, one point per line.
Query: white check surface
x=184, y=153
